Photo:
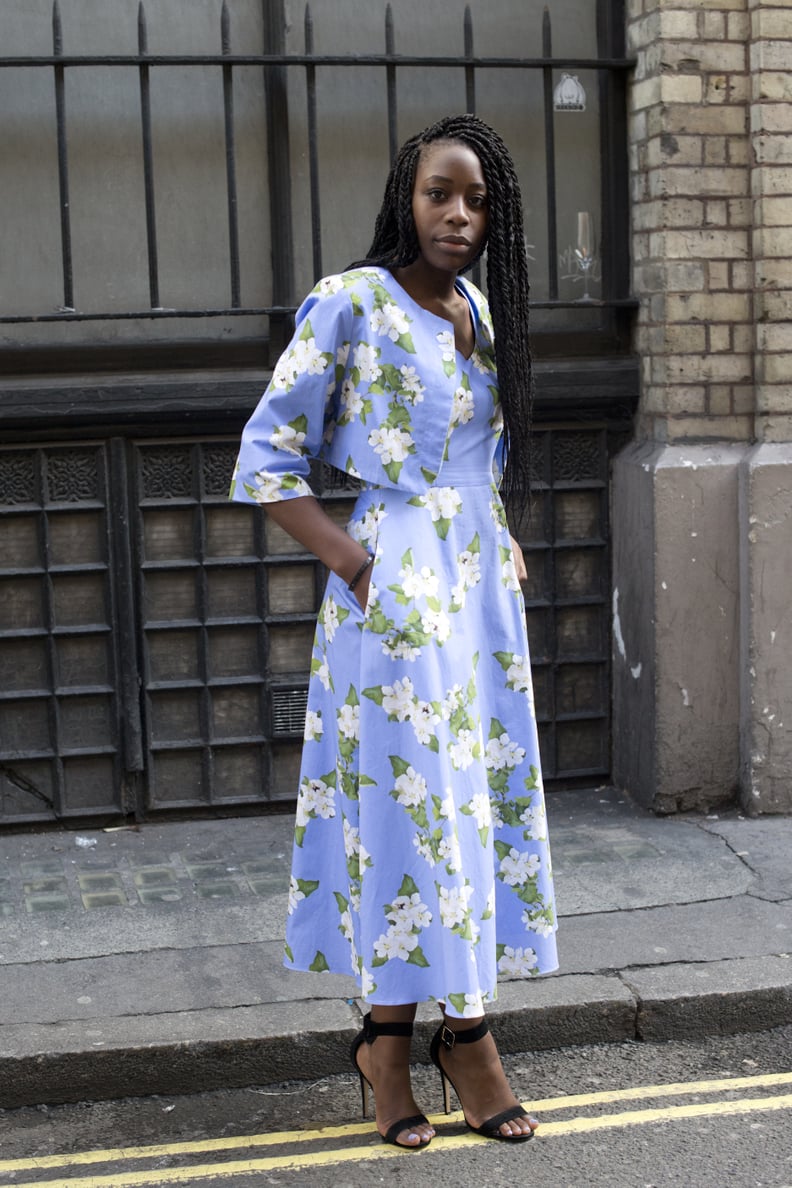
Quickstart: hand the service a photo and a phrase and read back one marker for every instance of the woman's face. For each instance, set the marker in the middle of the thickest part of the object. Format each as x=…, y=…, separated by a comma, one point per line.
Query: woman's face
x=450, y=205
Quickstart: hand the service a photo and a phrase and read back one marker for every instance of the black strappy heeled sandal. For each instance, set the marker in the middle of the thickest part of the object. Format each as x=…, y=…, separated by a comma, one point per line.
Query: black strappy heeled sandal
x=446, y=1037
x=367, y=1036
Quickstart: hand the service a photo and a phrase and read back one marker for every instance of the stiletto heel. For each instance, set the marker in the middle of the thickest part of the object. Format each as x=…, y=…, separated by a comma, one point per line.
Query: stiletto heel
x=367, y=1036
x=446, y=1037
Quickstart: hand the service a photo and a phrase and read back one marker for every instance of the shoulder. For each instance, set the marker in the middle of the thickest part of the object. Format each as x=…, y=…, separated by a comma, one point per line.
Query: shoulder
x=476, y=297
x=352, y=291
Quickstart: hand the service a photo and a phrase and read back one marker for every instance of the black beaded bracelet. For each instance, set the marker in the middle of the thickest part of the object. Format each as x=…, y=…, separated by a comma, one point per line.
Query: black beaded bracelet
x=369, y=560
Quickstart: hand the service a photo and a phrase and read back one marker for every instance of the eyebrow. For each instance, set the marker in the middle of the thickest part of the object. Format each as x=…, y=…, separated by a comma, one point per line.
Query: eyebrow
x=437, y=177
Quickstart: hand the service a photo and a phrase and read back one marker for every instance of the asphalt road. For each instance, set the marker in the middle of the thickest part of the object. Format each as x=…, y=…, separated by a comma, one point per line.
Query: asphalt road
x=716, y=1114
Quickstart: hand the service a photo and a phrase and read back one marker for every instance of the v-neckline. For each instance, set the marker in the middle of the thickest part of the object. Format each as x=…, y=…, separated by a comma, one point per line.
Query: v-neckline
x=445, y=321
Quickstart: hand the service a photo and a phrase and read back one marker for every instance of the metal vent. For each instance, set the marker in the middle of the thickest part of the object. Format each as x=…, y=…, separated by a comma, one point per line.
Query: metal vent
x=288, y=711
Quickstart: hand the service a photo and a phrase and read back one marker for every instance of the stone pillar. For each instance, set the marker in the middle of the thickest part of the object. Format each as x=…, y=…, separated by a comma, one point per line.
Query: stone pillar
x=766, y=480
x=702, y=516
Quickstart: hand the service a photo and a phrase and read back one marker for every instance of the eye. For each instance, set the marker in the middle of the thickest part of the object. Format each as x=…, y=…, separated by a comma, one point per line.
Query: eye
x=478, y=201
x=435, y=194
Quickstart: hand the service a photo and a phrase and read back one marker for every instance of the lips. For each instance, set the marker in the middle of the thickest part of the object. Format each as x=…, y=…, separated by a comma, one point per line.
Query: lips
x=455, y=240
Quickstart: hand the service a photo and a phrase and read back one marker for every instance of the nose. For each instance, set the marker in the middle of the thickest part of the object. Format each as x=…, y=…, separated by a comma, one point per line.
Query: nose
x=457, y=211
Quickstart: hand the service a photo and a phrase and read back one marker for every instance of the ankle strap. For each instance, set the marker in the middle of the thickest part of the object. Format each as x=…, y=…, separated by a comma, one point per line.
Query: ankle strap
x=371, y=1029
x=466, y=1035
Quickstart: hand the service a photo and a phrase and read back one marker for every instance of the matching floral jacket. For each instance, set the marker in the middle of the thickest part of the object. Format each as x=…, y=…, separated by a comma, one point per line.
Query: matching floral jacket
x=370, y=383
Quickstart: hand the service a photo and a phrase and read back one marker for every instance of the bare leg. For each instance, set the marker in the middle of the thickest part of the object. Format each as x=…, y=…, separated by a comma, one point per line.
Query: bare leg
x=478, y=1076
x=386, y=1065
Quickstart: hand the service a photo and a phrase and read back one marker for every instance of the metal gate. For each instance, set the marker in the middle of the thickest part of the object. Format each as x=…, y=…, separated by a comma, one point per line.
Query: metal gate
x=155, y=639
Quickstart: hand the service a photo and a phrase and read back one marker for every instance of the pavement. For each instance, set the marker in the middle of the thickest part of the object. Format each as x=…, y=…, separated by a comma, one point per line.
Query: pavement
x=148, y=960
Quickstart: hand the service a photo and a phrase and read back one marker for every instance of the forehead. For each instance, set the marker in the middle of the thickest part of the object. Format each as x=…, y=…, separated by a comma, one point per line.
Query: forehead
x=449, y=158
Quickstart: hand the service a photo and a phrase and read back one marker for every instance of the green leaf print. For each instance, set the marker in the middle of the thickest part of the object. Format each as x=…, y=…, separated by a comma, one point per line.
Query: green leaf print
x=357, y=306
x=484, y=834
x=437, y=803
x=499, y=951
x=374, y=693
x=352, y=697
x=399, y=766
x=366, y=781
x=502, y=849
x=496, y=728
x=406, y=343
x=393, y=470
x=307, y=886
x=532, y=781
x=505, y=659
x=288, y=953
x=449, y=367
x=306, y=334
x=441, y=527
x=392, y=376
x=299, y=834
x=408, y=887
x=299, y=424
x=417, y=958
x=429, y=475
x=458, y=1001
x=343, y=903
x=319, y=963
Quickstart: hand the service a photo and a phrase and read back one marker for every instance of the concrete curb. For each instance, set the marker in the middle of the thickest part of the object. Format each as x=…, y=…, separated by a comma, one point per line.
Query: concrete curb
x=266, y=1044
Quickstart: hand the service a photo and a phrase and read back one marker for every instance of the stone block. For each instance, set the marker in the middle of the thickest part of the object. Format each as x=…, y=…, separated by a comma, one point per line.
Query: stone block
x=681, y=88
x=697, y=183
x=765, y=507
x=675, y=606
x=772, y=84
x=720, y=337
x=775, y=241
x=774, y=212
x=774, y=399
x=716, y=430
x=704, y=244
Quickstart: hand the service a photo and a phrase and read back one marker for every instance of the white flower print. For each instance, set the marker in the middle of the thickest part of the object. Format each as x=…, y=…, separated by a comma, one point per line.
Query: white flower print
x=346, y=925
x=447, y=809
x=308, y=359
x=443, y=502
x=366, y=362
x=329, y=285
x=536, y=922
x=390, y=321
x=287, y=438
x=351, y=399
x=391, y=443
x=330, y=619
x=452, y=701
x=424, y=719
x=469, y=568
x=462, y=407
x=518, y=962
x=313, y=726
x=342, y=354
x=418, y=583
x=462, y=752
x=480, y=809
x=503, y=752
x=424, y=847
x=349, y=721
x=394, y=944
x=268, y=487
x=474, y=1006
x=518, y=867
x=397, y=699
x=400, y=649
x=453, y=904
x=367, y=983
x=284, y=373
x=436, y=623
x=535, y=823
x=411, y=384
x=518, y=674
x=510, y=575
x=411, y=788
x=295, y=895
x=449, y=852
x=323, y=673
x=318, y=798
x=351, y=840
x=447, y=345
x=408, y=912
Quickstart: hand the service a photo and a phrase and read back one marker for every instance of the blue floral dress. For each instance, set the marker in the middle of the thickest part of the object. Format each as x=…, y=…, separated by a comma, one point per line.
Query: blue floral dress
x=421, y=863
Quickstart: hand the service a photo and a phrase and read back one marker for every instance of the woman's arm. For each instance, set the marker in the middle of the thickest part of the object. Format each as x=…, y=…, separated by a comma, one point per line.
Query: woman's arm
x=519, y=561
x=305, y=520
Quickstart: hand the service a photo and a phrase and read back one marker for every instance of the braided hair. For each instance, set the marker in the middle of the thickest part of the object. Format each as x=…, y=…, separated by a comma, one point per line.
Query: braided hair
x=395, y=245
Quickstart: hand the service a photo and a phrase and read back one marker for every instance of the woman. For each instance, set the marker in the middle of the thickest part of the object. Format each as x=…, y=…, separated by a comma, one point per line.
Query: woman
x=420, y=859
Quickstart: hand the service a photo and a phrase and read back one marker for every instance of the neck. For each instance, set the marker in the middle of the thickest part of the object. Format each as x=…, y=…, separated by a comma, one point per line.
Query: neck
x=426, y=285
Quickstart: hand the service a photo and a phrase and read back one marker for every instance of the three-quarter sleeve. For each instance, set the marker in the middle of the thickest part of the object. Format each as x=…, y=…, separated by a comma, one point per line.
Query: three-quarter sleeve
x=297, y=412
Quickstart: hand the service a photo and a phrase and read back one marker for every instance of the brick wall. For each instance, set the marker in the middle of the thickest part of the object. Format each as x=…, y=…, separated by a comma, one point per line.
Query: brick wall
x=711, y=175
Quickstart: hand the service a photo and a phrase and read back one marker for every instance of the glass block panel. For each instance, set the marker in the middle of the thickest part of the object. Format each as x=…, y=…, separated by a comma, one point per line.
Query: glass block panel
x=78, y=601
x=86, y=722
x=231, y=593
x=233, y=651
x=580, y=573
x=23, y=664
x=581, y=688
x=578, y=630
x=90, y=783
x=77, y=538
x=169, y=534
x=582, y=746
x=19, y=542
x=166, y=472
x=577, y=456
x=291, y=589
x=170, y=596
x=230, y=530
x=290, y=647
x=24, y=726
x=239, y=773
x=173, y=655
x=285, y=770
x=279, y=542
x=21, y=603
x=577, y=515
x=339, y=510
x=236, y=712
x=532, y=527
x=17, y=477
x=539, y=635
x=547, y=750
x=72, y=476
x=178, y=778
x=175, y=716
x=288, y=711
x=27, y=789
x=83, y=660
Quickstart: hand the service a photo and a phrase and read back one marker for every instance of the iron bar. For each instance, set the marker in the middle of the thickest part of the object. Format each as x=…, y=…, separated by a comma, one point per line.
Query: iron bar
x=313, y=150
x=279, y=169
x=230, y=155
x=390, y=46
x=63, y=159
x=362, y=60
x=550, y=178
x=470, y=70
x=148, y=161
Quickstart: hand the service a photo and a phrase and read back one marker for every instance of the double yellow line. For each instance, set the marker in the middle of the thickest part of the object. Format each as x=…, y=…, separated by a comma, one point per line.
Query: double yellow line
x=297, y=1141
